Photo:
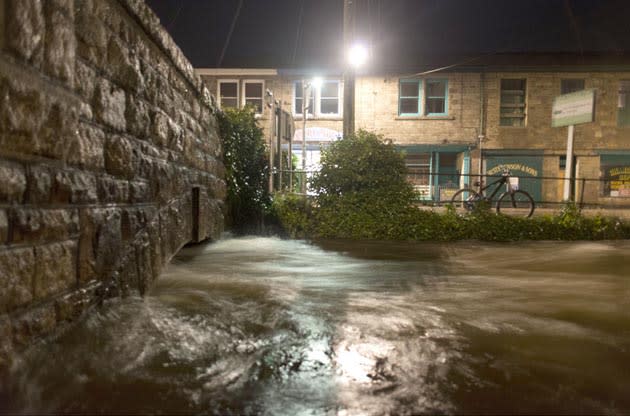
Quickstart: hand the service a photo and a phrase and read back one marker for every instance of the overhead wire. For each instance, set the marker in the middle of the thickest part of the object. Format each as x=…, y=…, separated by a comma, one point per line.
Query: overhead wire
x=298, y=33
x=229, y=36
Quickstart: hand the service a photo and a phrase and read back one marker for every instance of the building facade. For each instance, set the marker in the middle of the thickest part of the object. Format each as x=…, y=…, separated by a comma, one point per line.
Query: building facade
x=462, y=121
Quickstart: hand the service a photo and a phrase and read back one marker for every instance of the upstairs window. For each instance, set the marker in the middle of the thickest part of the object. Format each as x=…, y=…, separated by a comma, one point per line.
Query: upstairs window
x=436, y=97
x=253, y=95
x=322, y=101
x=228, y=94
x=329, y=98
x=409, y=101
x=623, y=104
x=571, y=85
x=513, y=104
x=413, y=102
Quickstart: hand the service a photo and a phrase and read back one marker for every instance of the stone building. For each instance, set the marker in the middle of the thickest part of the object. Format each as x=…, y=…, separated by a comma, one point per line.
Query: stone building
x=465, y=119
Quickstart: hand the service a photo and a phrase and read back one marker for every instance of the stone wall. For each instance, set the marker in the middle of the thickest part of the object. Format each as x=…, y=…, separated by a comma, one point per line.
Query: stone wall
x=109, y=159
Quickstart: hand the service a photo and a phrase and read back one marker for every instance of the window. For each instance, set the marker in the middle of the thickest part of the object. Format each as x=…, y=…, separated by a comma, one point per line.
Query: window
x=435, y=97
x=323, y=101
x=513, y=95
x=329, y=98
x=623, y=104
x=409, y=103
x=228, y=94
x=253, y=95
x=298, y=99
x=615, y=169
x=412, y=103
x=571, y=85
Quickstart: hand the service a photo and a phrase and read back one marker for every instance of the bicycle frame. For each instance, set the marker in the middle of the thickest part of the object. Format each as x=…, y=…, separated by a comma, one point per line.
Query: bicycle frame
x=504, y=179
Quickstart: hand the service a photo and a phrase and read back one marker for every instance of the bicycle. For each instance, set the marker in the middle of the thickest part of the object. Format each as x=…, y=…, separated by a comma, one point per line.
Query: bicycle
x=513, y=201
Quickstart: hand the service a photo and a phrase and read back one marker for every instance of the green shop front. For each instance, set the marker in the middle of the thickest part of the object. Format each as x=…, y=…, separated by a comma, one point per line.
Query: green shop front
x=437, y=171
x=526, y=165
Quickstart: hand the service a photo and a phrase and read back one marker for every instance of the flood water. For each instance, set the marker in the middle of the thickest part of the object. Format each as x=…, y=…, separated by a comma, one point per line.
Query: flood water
x=270, y=326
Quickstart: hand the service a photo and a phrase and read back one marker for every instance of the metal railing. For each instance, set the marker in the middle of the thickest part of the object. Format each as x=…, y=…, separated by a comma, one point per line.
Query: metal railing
x=437, y=188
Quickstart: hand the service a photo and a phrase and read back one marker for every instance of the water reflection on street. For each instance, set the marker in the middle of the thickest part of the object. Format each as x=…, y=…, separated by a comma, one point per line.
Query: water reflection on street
x=269, y=326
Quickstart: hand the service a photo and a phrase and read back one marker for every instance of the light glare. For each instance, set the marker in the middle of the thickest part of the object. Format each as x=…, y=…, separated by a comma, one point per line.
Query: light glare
x=357, y=55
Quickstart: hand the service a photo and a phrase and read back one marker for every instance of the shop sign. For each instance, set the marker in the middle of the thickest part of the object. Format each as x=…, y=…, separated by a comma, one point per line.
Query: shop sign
x=618, y=178
x=574, y=108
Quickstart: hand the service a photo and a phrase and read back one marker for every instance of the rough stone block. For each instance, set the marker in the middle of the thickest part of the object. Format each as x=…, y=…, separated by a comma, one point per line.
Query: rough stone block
x=85, y=78
x=74, y=187
x=34, y=324
x=17, y=267
x=91, y=33
x=55, y=270
x=2, y=23
x=13, y=182
x=119, y=157
x=59, y=130
x=26, y=29
x=87, y=147
x=4, y=227
x=112, y=190
x=100, y=243
x=60, y=48
x=22, y=111
x=140, y=191
x=138, y=119
x=6, y=337
x=159, y=129
x=39, y=186
x=109, y=105
x=123, y=67
x=33, y=225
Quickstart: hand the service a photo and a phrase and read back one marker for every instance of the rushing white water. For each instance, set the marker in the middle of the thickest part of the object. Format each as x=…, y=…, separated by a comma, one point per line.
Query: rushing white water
x=269, y=326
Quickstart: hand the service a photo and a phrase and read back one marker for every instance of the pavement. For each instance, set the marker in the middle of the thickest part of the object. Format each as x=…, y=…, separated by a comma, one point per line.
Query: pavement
x=616, y=212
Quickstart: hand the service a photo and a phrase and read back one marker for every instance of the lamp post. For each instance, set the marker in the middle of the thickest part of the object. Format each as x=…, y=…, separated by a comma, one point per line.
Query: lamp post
x=357, y=56
x=306, y=89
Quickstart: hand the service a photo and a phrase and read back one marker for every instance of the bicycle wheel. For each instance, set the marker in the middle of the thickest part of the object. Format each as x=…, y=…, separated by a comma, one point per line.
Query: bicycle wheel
x=465, y=198
x=517, y=204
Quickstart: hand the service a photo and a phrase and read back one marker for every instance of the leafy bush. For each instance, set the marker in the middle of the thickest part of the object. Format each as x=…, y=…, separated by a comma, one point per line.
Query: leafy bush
x=247, y=169
x=361, y=163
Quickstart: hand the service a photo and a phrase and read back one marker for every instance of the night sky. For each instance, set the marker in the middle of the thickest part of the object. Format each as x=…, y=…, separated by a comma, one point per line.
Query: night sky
x=300, y=33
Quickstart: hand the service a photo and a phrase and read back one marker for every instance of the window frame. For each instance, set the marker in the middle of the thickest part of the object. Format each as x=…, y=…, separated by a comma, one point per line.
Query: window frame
x=502, y=105
x=623, y=93
x=419, y=83
x=315, y=108
x=262, y=94
x=422, y=97
x=319, y=98
x=237, y=97
x=426, y=97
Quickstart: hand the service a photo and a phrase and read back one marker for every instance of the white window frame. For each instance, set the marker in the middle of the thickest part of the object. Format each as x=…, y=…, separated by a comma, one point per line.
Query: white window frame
x=317, y=98
x=229, y=81
x=262, y=92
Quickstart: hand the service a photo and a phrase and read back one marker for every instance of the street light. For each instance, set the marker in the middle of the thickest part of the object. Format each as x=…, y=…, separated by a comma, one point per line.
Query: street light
x=307, y=88
x=357, y=55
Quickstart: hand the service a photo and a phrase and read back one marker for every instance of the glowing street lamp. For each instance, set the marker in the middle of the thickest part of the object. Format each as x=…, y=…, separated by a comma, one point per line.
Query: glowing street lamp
x=357, y=55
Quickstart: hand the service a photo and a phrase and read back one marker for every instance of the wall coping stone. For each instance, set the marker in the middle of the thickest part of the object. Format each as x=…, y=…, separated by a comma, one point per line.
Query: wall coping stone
x=150, y=22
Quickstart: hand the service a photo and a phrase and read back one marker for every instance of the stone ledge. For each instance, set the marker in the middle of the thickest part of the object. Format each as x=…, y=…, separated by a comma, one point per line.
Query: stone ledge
x=149, y=21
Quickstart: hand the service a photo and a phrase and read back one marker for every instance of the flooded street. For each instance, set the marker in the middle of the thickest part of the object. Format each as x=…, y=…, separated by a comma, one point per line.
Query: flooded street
x=269, y=326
